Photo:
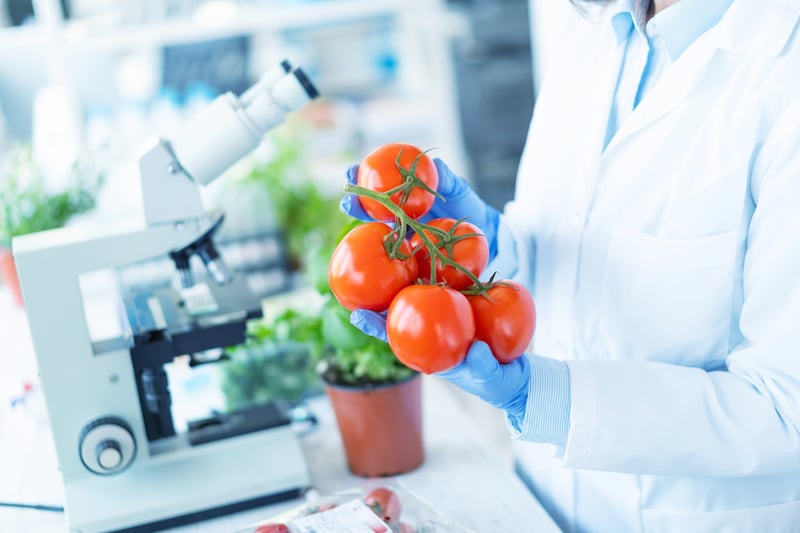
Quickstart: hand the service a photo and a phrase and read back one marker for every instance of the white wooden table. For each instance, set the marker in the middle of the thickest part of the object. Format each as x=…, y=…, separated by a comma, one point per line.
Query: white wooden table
x=463, y=476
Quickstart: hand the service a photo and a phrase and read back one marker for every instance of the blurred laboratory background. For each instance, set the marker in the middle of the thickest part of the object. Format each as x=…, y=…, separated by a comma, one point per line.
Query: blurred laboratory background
x=83, y=83
x=91, y=75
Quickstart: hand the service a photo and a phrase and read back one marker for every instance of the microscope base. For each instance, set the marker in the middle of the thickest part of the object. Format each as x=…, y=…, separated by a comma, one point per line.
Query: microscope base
x=208, y=514
x=209, y=480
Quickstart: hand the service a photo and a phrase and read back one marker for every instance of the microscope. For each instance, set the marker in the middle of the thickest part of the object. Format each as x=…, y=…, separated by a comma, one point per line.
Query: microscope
x=124, y=465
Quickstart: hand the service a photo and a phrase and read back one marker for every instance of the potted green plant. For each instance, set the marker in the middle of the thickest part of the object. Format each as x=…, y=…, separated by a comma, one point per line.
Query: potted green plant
x=376, y=399
x=29, y=205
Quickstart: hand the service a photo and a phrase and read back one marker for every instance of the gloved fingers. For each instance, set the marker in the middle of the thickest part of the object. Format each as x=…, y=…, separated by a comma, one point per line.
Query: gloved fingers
x=501, y=385
x=481, y=363
x=480, y=367
x=450, y=186
x=352, y=174
x=370, y=322
x=456, y=373
x=458, y=200
x=349, y=205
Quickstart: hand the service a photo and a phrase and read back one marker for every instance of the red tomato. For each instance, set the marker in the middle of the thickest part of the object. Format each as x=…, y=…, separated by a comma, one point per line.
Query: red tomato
x=385, y=503
x=322, y=508
x=272, y=528
x=361, y=274
x=506, y=322
x=430, y=327
x=472, y=253
x=378, y=172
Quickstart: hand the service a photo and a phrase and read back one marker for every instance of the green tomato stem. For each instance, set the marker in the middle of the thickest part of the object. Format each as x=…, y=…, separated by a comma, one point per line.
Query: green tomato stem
x=421, y=229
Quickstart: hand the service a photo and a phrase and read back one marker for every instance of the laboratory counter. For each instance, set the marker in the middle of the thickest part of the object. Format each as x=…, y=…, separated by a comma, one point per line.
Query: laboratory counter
x=462, y=476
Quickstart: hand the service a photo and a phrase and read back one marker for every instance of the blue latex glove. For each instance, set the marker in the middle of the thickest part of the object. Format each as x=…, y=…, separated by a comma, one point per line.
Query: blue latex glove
x=350, y=204
x=503, y=386
x=370, y=322
x=458, y=201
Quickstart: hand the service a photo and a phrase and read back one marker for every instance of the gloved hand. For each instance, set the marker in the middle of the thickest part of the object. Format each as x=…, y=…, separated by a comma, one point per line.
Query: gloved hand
x=458, y=201
x=502, y=386
x=370, y=322
x=350, y=204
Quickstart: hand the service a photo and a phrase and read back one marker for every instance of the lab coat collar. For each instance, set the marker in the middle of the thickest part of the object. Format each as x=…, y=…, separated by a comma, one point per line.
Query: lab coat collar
x=758, y=27
x=678, y=25
x=629, y=14
x=737, y=31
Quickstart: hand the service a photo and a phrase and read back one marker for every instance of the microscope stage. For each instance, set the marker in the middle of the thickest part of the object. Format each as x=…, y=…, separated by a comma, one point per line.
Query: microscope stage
x=163, y=326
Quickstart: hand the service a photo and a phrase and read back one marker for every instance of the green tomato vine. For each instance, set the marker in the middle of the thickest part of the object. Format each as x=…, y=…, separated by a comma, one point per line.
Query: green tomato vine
x=433, y=238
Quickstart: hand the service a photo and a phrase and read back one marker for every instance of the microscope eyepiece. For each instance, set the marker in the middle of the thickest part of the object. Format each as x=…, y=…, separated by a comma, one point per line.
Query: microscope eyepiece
x=311, y=91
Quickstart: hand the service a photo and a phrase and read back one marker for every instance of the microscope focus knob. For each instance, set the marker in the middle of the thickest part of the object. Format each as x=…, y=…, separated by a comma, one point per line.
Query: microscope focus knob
x=109, y=454
x=107, y=446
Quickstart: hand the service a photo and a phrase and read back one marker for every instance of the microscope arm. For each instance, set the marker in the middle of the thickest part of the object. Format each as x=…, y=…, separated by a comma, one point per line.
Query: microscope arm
x=75, y=252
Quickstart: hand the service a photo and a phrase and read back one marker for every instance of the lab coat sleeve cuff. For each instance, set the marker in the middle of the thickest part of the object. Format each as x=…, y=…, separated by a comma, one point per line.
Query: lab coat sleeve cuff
x=547, y=412
x=505, y=261
x=580, y=445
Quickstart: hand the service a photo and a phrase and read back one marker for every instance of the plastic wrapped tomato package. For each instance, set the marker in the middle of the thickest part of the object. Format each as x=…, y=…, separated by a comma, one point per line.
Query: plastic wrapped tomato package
x=378, y=506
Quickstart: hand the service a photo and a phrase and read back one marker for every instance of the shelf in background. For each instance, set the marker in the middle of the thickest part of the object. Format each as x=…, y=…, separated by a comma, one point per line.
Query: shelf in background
x=84, y=35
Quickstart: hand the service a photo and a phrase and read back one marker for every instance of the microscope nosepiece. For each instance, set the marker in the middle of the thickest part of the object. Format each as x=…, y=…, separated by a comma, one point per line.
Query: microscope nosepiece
x=214, y=263
x=219, y=271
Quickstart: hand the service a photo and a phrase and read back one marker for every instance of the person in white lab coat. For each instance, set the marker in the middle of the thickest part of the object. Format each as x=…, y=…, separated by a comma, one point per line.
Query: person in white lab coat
x=656, y=221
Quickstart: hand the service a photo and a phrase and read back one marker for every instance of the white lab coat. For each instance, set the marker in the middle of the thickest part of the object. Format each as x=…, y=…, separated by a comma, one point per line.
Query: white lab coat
x=666, y=272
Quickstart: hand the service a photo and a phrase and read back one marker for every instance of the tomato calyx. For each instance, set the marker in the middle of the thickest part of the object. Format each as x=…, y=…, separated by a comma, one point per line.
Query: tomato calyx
x=410, y=179
x=445, y=239
x=481, y=288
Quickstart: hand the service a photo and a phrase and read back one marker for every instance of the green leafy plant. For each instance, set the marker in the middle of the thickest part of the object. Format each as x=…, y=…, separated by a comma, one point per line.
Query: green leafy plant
x=264, y=370
x=287, y=353
x=343, y=354
x=29, y=206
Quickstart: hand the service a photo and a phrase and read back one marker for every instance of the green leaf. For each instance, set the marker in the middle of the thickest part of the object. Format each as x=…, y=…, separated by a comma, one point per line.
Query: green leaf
x=29, y=207
x=337, y=330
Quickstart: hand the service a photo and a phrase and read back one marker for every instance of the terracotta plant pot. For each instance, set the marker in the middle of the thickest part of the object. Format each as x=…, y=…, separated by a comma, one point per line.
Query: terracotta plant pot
x=381, y=427
x=8, y=270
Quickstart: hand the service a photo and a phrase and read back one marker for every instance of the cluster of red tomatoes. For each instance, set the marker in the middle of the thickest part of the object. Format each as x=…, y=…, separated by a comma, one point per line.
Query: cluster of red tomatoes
x=426, y=279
